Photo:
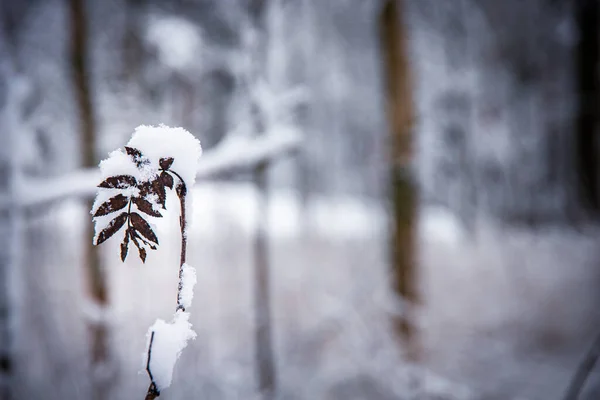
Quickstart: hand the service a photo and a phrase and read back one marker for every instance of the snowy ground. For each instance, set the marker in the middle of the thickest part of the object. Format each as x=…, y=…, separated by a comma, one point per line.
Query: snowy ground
x=505, y=317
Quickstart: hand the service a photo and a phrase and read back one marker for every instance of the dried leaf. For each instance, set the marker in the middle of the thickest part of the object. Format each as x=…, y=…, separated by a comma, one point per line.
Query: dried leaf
x=159, y=189
x=166, y=179
x=112, y=228
x=133, y=152
x=165, y=163
x=142, y=253
x=111, y=205
x=137, y=156
x=143, y=240
x=141, y=226
x=125, y=246
x=145, y=188
x=118, y=182
x=155, y=187
x=145, y=206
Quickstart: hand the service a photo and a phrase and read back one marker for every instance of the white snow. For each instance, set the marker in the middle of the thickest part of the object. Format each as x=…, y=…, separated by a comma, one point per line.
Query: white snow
x=157, y=142
x=188, y=281
x=440, y=225
x=242, y=151
x=120, y=163
x=176, y=40
x=168, y=342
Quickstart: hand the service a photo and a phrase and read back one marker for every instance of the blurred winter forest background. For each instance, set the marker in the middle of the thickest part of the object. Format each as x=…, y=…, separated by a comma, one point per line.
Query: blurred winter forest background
x=398, y=199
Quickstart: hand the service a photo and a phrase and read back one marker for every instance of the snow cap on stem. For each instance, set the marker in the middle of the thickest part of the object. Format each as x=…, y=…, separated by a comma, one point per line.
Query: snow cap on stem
x=168, y=342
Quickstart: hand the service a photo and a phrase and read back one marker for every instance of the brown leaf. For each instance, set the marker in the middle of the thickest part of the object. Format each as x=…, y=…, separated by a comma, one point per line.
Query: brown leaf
x=125, y=246
x=165, y=163
x=155, y=187
x=141, y=226
x=159, y=189
x=142, y=253
x=145, y=188
x=137, y=156
x=111, y=205
x=118, y=182
x=145, y=206
x=166, y=179
x=135, y=234
x=112, y=228
x=133, y=152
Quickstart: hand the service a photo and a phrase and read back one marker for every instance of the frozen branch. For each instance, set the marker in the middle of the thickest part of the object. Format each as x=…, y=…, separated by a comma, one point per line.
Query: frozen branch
x=233, y=155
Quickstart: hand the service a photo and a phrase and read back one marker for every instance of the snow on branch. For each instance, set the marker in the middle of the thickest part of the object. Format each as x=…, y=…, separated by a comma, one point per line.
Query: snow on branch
x=234, y=154
x=243, y=153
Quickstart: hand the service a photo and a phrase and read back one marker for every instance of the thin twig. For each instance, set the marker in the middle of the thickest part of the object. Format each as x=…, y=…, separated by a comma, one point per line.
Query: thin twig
x=584, y=370
x=153, y=392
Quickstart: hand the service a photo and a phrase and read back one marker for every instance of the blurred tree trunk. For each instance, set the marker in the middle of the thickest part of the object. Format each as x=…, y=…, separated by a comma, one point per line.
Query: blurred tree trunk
x=402, y=189
x=11, y=216
x=588, y=57
x=8, y=236
x=256, y=46
x=81, y=76
x=133, y=48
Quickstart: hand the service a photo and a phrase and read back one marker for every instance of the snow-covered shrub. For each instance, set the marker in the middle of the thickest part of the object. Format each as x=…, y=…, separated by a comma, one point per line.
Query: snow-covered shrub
x=134, y=192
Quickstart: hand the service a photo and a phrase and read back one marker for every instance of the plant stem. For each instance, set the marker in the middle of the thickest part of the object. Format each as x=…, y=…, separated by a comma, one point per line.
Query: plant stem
x=182, y=222
x=181, y=190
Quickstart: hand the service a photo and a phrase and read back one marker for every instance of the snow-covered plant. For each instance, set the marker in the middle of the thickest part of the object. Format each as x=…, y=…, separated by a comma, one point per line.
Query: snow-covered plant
x=136, y=181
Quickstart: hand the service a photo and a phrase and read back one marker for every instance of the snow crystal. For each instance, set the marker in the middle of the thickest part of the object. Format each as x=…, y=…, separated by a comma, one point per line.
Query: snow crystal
x=188, y=281
x=167, y=344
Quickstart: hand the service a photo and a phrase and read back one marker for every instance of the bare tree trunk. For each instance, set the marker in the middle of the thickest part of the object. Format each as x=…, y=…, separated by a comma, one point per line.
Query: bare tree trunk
x=11, y=217
x=8, y=252
x=265, y=364
x=588, y=18
x=402, y=190
x=264, y=343
x=133, y=49
x=96, y=279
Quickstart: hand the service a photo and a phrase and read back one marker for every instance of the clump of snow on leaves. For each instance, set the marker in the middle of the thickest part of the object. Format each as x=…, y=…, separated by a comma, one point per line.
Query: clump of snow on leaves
x=157, y=142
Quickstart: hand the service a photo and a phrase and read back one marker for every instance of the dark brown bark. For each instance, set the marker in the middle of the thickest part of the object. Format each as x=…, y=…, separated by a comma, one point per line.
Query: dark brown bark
x=402, y=191
x=81, y=83
x=588, y=62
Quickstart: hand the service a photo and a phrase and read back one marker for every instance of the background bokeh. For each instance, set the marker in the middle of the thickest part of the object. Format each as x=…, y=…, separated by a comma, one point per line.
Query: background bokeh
x=416, y=182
